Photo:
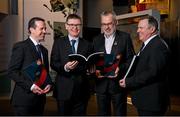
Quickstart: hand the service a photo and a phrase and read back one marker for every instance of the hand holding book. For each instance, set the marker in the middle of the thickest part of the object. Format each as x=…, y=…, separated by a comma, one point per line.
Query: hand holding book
x=37, y=73
x=108, y=67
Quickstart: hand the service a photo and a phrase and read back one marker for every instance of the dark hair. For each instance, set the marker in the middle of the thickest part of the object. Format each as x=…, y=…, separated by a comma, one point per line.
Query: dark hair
x=73, y=16
x=31, y=23
x=152, y=22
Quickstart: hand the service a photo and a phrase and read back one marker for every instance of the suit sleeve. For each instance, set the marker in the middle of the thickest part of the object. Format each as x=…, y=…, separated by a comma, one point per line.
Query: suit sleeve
x=56, y=62
x=15, y=68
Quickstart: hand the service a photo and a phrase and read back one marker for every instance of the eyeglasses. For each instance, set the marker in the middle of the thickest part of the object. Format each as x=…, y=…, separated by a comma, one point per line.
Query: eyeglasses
x=107, y=24
x=74, y=25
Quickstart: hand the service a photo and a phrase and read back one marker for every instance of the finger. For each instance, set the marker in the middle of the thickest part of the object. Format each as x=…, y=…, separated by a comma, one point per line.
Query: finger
x=117, y=70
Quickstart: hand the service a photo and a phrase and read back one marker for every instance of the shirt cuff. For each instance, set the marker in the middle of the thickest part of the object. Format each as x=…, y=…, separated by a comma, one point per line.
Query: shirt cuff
x=32, y=87
x=67, y=70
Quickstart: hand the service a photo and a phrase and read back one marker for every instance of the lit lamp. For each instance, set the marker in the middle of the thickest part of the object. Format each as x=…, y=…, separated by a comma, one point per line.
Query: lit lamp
x=140, y=5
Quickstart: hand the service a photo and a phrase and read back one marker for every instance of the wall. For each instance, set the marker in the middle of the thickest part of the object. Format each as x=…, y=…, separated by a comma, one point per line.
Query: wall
x=4, y=6
x=33, y=8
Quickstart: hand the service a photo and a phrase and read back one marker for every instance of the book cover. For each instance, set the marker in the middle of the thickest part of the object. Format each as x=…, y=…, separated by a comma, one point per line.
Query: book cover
x=37, y=73
x=107, y=66
x=91, y=59
x=132, y=66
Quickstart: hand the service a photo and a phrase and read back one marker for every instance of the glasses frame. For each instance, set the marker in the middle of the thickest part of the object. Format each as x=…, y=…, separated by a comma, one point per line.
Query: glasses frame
x=74, y=25
x=107, y=24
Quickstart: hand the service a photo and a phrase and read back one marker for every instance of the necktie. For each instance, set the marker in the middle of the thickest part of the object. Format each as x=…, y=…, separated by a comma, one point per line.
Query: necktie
x=142, y=47
x=73, y=46
x=38, y=48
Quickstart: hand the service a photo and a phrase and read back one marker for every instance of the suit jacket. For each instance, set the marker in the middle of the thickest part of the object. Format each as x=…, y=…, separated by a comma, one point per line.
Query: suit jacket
x=148, y=84
x=23, y=54
x=122, y=45
x=66, y=82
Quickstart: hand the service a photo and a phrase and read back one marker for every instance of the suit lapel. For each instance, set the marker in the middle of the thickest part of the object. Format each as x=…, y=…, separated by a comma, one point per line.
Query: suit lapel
x=149, y=45
x=115, y=44
x=67, y=45
x=32, y=48
x=102, y=44
x=80, y=46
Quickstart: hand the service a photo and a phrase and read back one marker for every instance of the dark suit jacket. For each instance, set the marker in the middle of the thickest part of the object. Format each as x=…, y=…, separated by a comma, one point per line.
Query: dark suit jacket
x=149, y=80
x=122, y=45
x=66, y=81
x=23, y=54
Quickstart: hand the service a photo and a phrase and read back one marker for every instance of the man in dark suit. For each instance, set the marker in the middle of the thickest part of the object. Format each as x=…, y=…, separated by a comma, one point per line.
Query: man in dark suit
x=149, y=81
x=28, y=98
x=71, y=84
x=114, y=42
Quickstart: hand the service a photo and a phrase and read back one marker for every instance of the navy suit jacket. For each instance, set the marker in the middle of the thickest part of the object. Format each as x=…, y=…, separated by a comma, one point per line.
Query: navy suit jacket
x=149, y=82
x=66, y=81
x=23, y=54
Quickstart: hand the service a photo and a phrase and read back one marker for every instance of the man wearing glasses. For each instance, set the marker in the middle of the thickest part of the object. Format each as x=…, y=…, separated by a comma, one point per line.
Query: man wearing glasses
x=71, y=85
x=114, y=42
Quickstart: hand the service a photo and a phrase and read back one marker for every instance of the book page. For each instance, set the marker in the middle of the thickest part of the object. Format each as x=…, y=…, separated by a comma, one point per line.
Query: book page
x=132, y=64
x=77, y=56
x=93, y=54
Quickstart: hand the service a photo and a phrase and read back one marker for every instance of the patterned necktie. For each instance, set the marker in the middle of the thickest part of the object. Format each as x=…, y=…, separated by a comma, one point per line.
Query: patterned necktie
x=73, y=46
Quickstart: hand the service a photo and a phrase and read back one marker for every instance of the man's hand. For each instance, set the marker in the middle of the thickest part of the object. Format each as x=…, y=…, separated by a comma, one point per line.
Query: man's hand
x=47, y=89
x=71, y=65
x=37, y=90
x=122, y=83
x=116, y=73
x=91, y=69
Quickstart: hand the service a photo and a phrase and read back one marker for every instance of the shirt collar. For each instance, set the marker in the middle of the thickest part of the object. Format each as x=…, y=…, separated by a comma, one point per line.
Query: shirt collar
x=148, y=40
x=73, y=38
x=34, y=41
x=110, y=36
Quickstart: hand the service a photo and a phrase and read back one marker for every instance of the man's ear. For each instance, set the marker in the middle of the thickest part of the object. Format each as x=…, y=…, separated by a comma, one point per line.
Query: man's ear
x=31, y=29
x=153, y=29
x=66, y=26
x=116, y=22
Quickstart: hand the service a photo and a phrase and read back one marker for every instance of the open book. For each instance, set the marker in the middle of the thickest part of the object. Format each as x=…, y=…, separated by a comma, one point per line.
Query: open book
x=91, y=59
x=132, y=67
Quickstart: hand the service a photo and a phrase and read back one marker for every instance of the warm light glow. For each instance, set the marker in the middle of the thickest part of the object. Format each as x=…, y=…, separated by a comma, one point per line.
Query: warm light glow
x=141, y=1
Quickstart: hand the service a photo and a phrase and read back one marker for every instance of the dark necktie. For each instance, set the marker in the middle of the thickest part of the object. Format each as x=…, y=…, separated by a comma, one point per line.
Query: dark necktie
x=141, y=49
x=38, y=48
x=73, y=46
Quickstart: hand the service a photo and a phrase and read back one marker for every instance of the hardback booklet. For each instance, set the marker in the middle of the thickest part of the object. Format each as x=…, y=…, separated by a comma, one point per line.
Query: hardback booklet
x=91, y=59
x=37, y=73
x=132, y=67
x=107, y=66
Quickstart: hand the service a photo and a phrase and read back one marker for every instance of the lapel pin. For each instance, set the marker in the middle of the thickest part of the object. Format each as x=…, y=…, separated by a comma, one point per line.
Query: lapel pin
x=115, y=43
